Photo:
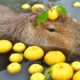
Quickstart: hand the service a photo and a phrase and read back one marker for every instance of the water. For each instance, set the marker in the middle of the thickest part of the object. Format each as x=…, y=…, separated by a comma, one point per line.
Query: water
x=15, y=5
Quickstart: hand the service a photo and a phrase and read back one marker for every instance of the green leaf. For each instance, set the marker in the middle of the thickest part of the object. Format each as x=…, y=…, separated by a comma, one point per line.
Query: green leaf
x=47, y=73
x=61, y=9
x=42, y=17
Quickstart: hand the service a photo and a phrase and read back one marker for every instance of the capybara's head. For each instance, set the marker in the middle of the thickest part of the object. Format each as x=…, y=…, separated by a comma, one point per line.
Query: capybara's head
x=59, y=33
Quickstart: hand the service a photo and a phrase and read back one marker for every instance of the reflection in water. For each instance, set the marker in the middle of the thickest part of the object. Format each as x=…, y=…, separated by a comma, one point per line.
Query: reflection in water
x=4, y=61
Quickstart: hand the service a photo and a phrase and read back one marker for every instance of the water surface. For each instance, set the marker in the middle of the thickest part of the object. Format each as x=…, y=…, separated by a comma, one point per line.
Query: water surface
x=15, y=5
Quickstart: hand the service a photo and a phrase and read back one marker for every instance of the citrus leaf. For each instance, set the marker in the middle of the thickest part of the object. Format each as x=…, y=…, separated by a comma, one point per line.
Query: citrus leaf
x=47, y=73
x=42, y=17
x=61, y=9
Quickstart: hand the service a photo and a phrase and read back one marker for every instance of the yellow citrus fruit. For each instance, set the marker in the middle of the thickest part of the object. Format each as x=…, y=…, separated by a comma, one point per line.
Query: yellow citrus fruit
x=62, y=71
x=5, y=46
x=33, y=53
x=76, y=4
x=53, y=57
x=19, y=47
x=76, y=65
x=37, y=76
x=76, y=76
x=37, y=6
x=53, y=14
x=14, y=68
x=25, y=6
x=16, y=57
x=35, y=68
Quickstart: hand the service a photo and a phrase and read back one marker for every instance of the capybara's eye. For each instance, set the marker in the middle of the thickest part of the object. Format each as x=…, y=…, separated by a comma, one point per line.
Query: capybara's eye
x=51, y=29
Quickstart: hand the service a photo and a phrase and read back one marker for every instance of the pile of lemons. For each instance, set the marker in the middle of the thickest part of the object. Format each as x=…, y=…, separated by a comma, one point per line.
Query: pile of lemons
x=52, y=13
x=60, y=70
x=16, y=57
x=33, y=8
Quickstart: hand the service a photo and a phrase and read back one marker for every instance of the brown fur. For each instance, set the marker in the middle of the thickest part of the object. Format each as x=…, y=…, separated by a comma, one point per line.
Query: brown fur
x=23, y=27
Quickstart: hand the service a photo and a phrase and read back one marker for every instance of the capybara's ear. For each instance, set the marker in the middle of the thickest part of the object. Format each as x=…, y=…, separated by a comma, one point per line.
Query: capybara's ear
x=33, y=17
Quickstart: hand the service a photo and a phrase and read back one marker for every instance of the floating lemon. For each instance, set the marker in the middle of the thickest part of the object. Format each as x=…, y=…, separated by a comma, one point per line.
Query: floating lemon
x=37, y=76
x=25, y=6
x=5, y=46
x=76, y=4
x=76, y=65
x=16, y=57
x=35, y=68
x=76, y=76
x=33, y=53
x=53, y=57
x=14, y=68
x=62, y=71
x=19, y=47
x=37, y=6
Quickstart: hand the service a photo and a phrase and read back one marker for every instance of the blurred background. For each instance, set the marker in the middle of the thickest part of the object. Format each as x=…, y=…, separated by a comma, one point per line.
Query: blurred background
x=15, y=5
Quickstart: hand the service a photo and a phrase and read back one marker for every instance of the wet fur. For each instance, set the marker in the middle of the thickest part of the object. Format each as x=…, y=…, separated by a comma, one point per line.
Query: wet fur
x=20, y=27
